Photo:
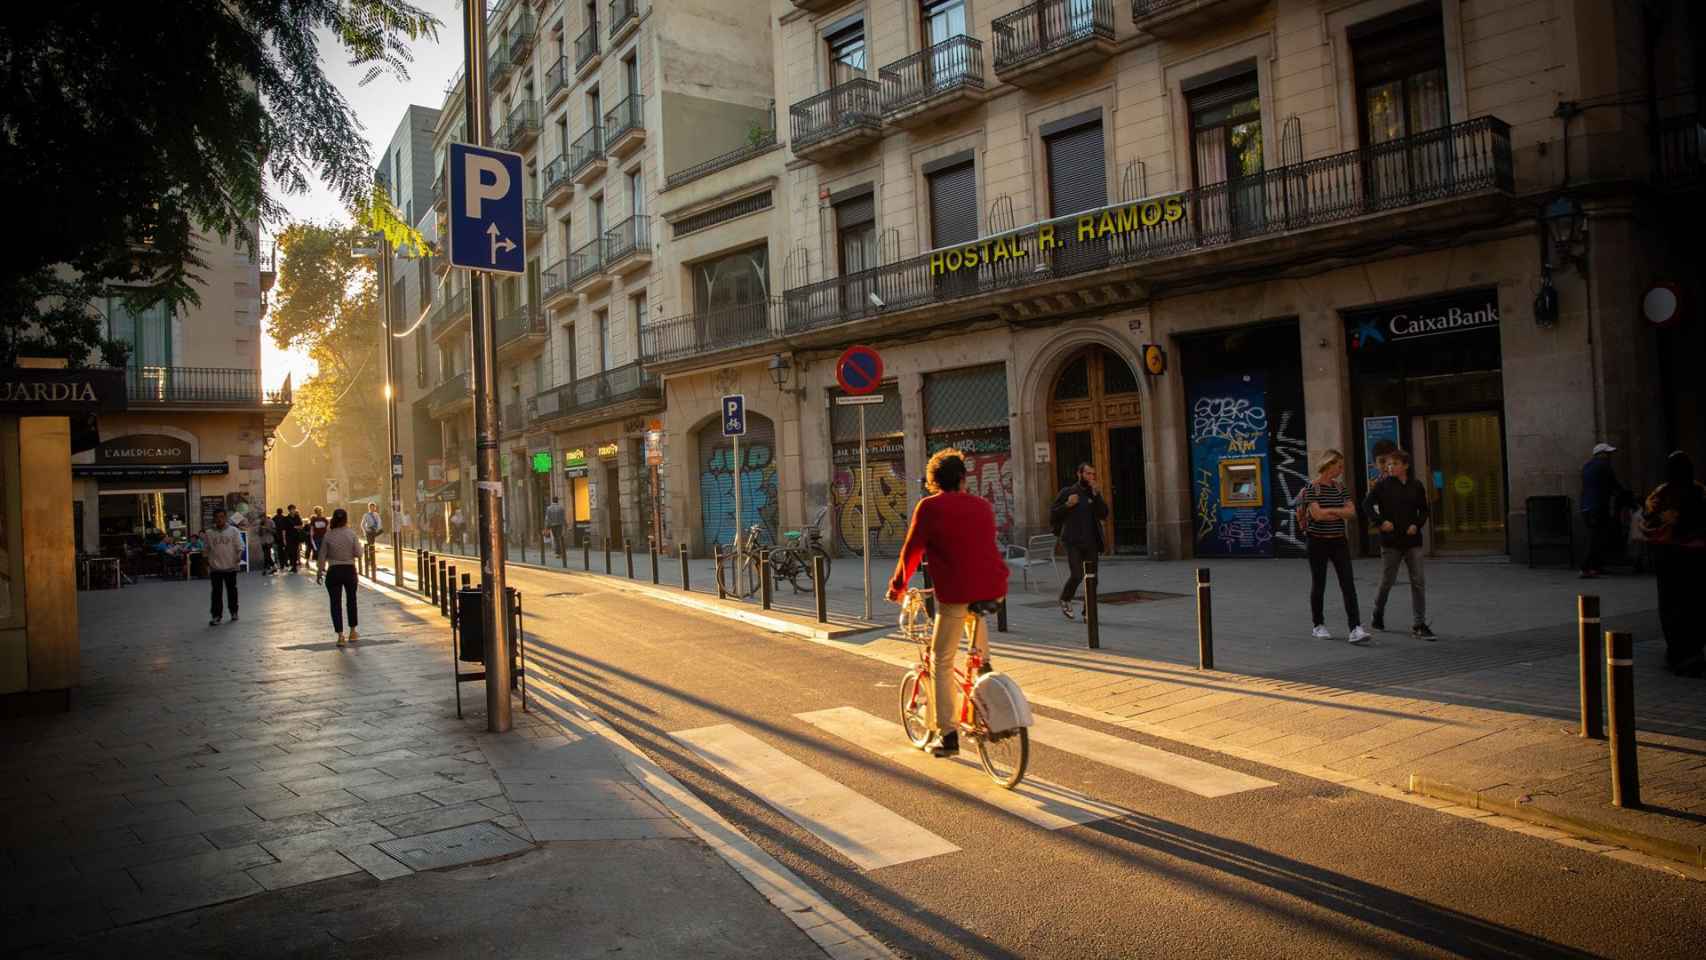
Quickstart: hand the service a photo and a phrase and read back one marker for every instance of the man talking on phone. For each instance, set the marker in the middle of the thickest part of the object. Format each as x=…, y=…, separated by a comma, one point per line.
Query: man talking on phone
x=1077, y=516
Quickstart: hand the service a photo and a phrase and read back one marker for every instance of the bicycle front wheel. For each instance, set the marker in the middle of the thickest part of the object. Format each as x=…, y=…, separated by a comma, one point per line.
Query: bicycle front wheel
x=912, y=710
x=746, y=584
x=1005, y=756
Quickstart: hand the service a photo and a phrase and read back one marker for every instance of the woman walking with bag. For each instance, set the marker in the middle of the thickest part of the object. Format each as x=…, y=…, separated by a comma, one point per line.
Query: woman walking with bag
x=1323, y=510
x=338, y=551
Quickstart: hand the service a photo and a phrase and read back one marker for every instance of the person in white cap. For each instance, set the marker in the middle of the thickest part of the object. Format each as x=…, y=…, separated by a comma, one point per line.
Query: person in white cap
x=1602, y=494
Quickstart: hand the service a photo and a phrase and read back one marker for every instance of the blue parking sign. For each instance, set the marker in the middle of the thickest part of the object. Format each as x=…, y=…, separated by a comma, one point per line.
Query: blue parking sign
x=734, y=415
x=487, y=200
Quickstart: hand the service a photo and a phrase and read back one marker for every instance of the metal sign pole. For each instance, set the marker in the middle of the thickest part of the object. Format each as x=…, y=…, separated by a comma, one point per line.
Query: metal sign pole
x=864, y=512
x=736, y=439
x=489, y=489
x=391, y=423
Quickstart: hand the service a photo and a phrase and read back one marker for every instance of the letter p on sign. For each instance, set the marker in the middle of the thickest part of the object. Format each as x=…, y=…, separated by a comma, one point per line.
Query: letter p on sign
x=487, y=180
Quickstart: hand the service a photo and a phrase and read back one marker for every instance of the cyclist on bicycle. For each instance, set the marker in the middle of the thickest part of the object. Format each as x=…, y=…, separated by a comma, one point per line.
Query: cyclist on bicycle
x=955, y=532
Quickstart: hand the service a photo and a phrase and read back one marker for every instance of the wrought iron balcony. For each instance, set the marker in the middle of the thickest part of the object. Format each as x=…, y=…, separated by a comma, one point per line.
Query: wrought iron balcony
x=514, y=417
x=448, y=313
x=625, y=126
x=521, y=326
x=533, y=211
x=522, y=32
x=629, y=384
x=1046, y=38
x=587, y=263
x=586, y=155
x=762, y=144
x=710, y=330
x=839, y=119
x=1234, y=221
x=1173, y=19
x=1682, y=151
x=628, y=245
x=586, y=47
x=498, y=65
x=439, y=199
x=451, y=395
x=554, y=283
x=559, y=80
x=933, y=82
x=521, y=129
x=559, y=185
x=624, y=15
x=201, y=386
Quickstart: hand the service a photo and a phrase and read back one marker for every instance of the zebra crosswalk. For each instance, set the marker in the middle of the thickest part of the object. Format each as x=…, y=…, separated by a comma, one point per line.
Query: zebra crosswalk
x=872, y=836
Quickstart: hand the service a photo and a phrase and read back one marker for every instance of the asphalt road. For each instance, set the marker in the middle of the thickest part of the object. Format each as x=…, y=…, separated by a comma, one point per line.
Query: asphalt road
x=1302, y=868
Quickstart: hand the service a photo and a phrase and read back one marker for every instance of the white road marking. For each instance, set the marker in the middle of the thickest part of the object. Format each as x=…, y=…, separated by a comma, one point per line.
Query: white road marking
x=860, y=829
x=1202, y=779
x=1045, y=804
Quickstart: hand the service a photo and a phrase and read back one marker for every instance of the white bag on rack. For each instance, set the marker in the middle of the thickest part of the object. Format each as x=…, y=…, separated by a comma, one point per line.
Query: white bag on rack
x=1000, y=704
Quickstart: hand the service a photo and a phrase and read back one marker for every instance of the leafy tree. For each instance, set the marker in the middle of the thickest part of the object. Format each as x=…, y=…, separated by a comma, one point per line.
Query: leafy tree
x=130, y=128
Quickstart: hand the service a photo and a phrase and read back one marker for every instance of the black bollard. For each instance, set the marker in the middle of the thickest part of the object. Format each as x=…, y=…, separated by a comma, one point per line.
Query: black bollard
x=717, y=558
x=420, y=564
x=1592, y=684
x=450, y=588
x=1625, y=777
x=628, y=555
x=606, y=554
x=586, y=554
x=1001, y=616
x=930, y=585
x=1205, y=622
x=652, y=555
x=764, y=578
x=684, y=567
x=562, y=549
x=817, y=588
x=1090, y=624
x=443, y=589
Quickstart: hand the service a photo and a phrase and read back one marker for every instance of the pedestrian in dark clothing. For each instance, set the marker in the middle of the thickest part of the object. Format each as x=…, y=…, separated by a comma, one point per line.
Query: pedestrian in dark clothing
x=1077, y=516
x=1674, y=522
x=292, y=526
x=554, y=519
x=1398, y=507
x=1602, y=496
x=1325, y=506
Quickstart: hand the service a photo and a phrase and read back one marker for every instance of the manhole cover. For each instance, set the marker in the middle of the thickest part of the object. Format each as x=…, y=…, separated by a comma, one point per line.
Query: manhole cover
x=1119, y=597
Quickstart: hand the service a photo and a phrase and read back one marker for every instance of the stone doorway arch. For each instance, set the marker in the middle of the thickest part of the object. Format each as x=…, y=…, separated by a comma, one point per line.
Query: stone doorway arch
x=1095, y=416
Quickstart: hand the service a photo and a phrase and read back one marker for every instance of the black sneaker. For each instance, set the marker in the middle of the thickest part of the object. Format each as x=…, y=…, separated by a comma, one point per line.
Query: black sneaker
x=985, y=667
x=1379, y=622
x=948, y=745
x=1066, y=609
x=214, y=622
x=1421, y=632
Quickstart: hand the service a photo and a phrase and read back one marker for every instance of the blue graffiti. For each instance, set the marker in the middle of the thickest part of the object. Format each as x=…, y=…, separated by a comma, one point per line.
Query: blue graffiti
x=758, y=493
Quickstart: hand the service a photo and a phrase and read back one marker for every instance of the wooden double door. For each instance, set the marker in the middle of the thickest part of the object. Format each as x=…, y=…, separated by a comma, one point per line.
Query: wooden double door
x=1095, y=417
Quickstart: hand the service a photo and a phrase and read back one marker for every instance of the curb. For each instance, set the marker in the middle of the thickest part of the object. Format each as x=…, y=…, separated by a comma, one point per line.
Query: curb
x=1683, y=853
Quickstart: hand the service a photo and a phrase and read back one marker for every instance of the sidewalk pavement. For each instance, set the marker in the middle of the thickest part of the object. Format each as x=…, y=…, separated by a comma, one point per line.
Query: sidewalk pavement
x=1487, y=714
x=240, y=764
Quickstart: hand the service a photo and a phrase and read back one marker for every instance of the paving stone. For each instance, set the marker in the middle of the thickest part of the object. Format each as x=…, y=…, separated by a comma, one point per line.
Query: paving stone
x=379, y=810
x=219, y=889
x=337, y=838
x=396, y=788
x=264, y=830
x=290, y=873
x=440, y=818
x=305, y=804
x=340, y=781
x=462, y=792
x=449, y=848
x=544, y=830
x=193, y=823
x=186, y=871
x=240, y=798
x=379, y=864
x=141, y=853
x=363, y=761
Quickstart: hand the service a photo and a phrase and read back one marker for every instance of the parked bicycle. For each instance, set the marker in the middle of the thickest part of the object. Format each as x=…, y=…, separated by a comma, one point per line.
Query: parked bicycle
x=739, y=569
x=995, y=715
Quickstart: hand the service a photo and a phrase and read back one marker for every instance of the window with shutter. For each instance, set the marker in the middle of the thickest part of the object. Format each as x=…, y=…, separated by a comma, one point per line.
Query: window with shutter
x=1077, y=181
x=1401, y=97
x=1226, y=148
x=953, y=221
x=856, y=249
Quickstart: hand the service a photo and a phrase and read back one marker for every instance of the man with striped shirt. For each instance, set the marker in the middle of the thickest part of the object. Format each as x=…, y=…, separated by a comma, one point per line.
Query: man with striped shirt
x=1326, y=507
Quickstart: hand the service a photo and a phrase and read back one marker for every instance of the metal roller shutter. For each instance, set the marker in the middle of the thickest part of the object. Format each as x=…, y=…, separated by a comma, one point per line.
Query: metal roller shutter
x=758, y=481
x=953, y=205
x=1077, y=175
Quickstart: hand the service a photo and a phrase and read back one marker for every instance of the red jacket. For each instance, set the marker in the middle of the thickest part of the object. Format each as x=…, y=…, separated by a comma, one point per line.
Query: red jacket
x=956, y=532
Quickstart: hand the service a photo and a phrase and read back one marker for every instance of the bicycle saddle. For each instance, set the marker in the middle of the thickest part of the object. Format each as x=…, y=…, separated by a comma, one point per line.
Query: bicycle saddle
x=985, y=607
x=791, y=535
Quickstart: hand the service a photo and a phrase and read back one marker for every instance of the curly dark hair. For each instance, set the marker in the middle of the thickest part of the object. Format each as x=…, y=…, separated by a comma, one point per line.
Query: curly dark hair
x=945, y=471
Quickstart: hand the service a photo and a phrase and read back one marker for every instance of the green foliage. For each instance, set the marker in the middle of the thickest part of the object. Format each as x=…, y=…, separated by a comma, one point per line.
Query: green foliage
x=132, y=130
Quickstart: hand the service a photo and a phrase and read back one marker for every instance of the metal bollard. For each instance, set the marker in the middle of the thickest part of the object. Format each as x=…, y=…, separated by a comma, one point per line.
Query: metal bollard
x=818, y=588
x=930, y=585
x=1090, y=622
x=764, y=579
x=1625, y=778
x=586, y=554
x=450, y=589
x=717, y=558
x=684, y=567
x=606, y=554
x=467, y=580
x=443, y=589
x=628, y=555
x=420, y=564
x=652, y=555
x=562, y=550
x=1205, y=622
x=1001, y=616
x=1588, y=670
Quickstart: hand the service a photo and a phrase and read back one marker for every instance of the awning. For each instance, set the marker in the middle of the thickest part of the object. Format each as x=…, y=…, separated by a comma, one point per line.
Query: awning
x=149, y=471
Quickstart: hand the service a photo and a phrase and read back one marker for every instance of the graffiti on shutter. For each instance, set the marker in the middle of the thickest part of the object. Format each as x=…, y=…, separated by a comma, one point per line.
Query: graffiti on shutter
x=968, y=409
x=885, y=462
x=759, y=492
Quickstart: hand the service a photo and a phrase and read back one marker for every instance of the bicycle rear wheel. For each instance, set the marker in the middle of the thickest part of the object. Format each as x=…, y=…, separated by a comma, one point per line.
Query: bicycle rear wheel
x=912, y=710
x=1005, y=756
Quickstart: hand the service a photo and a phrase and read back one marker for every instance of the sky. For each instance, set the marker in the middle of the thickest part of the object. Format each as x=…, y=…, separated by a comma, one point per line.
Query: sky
x=379, y=107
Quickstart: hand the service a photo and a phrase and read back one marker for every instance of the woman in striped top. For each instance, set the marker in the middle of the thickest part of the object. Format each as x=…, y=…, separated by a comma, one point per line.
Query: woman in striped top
x=1328, y=507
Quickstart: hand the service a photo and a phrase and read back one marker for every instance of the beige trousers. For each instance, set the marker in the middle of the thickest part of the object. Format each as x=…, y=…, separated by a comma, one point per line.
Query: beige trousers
x=944, y=651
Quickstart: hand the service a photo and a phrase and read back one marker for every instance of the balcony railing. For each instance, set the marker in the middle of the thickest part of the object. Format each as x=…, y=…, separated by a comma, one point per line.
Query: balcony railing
x=631, y=236
x=448, y=311
x=586, y=261
x=522, y=127
x=587, y=150
x=498, y=66
x=1682, y=150
x=1040, y=28
x=554, y=279
x=454, y=388
x=629, y=114
x=856, y=103
x=438, y=197
x=533, y=211
x=618, y=385
x=1464, y=159
x=557, y=174
x=621, y=12
x=206, y=385
x=559, y=77
x=709, y=330
x=523, y=321
x=763, y=143
x=521, y=35
x=586, y=45
x=954, y=64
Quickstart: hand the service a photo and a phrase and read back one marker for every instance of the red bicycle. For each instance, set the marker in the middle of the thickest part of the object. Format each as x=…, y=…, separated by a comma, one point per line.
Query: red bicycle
x=1004, y=753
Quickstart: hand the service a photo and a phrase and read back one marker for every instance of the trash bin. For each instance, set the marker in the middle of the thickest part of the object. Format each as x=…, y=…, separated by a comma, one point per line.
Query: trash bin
x=471, y=624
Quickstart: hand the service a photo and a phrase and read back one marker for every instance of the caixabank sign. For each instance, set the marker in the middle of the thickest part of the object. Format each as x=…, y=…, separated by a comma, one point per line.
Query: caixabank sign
x=1371, y=328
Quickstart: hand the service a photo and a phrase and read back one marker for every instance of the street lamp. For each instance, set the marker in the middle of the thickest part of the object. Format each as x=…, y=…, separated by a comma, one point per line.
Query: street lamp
x=380, y=251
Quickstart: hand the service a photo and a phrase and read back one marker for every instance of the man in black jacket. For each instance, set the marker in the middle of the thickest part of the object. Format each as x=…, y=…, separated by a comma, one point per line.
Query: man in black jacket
x=1077, y=516
x=1398, y=506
